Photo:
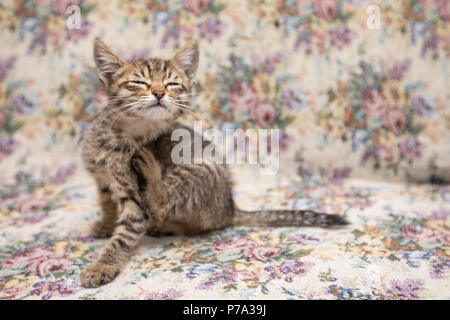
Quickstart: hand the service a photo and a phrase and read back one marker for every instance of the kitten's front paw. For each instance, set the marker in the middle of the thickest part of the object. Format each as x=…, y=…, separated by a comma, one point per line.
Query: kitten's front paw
x=99, y=274
x=102, y=230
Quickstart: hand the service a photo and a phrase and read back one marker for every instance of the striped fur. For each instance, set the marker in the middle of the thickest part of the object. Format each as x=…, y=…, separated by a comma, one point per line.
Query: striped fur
x=286, y=218
x=128, y=149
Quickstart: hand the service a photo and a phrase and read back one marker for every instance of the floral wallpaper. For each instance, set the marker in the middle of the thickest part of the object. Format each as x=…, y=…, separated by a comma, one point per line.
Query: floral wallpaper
x=352, y=103
x=373, y=101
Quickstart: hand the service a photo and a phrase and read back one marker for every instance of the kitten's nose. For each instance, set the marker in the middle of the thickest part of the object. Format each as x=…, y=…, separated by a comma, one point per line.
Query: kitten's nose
x=159, y=93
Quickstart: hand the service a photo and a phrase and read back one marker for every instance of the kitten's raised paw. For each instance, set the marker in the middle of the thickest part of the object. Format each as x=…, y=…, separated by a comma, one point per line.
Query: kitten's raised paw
x=102, y=230
x=98, y=274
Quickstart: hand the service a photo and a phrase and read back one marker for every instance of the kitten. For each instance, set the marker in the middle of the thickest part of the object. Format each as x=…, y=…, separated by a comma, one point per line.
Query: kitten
x=127, y=151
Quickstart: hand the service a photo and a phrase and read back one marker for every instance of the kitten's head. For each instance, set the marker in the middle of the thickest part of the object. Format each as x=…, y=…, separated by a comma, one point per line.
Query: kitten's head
x=152, y=89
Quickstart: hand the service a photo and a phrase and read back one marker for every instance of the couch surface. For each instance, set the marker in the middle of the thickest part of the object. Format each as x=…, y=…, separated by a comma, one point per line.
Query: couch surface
x=364, y=114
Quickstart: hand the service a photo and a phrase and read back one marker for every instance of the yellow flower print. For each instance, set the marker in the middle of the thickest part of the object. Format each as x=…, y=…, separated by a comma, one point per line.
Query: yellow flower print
x=267, y=11
x=324, y=120
x=2, y=95
x=446, y=251
x=327, y=253
x=442, y=28
x=240, y=265
x=265, y=86
x=255, y=265
x=393, y=19
x=61, y=123
x=341, y=107
x=186, y=19
x=135, y=9
x=4, y=212
x=73, y=249
x=266, y=237
x=75, y=102
x=318, y=25
x=386, y=138
x=394, y=93
x=7, y=18
x=55, y=24
x=442, y=226
x=48, y=192
x=338, y=129
x=20, y=281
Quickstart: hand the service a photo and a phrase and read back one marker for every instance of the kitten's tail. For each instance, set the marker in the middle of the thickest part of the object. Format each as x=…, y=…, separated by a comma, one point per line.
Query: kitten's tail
x=286, y=218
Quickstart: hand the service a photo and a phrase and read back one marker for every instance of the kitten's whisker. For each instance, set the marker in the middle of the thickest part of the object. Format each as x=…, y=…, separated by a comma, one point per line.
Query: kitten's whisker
x=186, y=97
x=122, y=113
x=125, y=99
x=133, y=109
x=184, y=105
x=198, y=110
x=110, y=113
x=121, y=98
x=189, y=111
x=120, y=108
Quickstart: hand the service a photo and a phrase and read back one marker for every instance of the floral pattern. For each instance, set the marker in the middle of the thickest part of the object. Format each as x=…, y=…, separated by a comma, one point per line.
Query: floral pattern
x=395, y=248
x=364, y=115
x=380, y=114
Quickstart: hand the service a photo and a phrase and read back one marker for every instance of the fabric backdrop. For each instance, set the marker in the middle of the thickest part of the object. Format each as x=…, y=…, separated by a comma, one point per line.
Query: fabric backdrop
x=352, y=102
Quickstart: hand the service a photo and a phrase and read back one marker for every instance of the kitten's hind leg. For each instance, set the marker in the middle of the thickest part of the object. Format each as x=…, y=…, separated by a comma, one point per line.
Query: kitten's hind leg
x=104, y=227
x=189, y=200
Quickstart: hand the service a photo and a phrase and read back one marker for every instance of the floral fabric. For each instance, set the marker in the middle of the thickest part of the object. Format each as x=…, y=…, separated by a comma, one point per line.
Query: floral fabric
x=363, y=113
x=397, y=247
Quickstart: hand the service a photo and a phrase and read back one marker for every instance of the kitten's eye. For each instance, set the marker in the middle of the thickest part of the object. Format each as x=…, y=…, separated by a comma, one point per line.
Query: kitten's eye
x=172, y=84
x=134, y=85
x=139, y=82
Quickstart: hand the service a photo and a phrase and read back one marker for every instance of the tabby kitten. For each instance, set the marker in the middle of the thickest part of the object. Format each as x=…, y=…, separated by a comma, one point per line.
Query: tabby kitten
x=127, y=151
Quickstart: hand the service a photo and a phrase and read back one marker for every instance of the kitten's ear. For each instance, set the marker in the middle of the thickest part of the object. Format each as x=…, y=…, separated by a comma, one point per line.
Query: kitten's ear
x=106, y=61
x=186, y=58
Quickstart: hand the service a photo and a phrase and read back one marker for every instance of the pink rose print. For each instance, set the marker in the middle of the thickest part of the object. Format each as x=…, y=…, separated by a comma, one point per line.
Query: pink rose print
x=263, y=114
x=231, y=245
x=38, y=261
x=419, y=233
x=25, y=203
x=196, y=6
x=373, y=103
x=262, y=253
x=429, y=4
x=395, y=120
x=445, y=10
x=326, y=9
x=242, y=96
x=60, y=6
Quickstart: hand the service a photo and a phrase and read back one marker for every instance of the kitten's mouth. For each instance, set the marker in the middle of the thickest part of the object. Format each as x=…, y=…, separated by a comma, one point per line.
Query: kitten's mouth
x=155, y=105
